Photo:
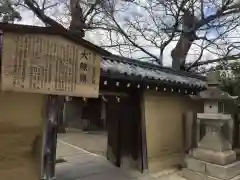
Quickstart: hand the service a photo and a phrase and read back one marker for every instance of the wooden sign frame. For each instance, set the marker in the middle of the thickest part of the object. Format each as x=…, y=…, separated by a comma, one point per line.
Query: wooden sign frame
x=48, y=64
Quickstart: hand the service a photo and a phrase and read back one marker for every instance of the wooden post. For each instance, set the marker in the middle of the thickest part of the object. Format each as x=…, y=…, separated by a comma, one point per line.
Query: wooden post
x=143, y=135
x=53, y=113
x=189, y=131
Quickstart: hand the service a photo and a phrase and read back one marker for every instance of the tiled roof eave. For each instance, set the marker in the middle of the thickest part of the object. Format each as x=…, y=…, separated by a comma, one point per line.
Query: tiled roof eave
x=136, y=72
x=146, y=65
x=120, y=76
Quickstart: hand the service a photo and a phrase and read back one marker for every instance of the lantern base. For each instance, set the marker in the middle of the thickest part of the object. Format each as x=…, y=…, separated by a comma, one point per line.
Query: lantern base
x=193, y=175
x=221, y=158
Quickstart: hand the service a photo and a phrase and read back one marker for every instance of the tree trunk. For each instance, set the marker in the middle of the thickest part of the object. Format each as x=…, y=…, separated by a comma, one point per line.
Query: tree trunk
x=179, y=53
x=77, y=21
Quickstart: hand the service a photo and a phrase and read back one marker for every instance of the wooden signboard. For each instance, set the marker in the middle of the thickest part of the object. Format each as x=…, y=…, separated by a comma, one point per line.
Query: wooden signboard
x=49, y=64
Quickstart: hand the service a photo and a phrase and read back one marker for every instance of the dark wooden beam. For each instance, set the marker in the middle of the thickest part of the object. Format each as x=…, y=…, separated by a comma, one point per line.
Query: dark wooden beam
x=143, y=133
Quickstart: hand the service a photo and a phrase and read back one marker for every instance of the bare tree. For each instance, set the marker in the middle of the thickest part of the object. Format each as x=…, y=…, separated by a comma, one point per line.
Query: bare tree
x=194, y=34
x=186, y=25
x=76, y=15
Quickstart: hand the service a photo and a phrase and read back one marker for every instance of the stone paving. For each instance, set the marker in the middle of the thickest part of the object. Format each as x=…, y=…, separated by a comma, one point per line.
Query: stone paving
x=94, y=142
x=84, y=165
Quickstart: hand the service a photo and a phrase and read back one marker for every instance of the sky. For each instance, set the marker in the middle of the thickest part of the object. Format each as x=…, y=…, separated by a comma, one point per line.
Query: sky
x=28, y=18
x=97, y=37
x=208, y=11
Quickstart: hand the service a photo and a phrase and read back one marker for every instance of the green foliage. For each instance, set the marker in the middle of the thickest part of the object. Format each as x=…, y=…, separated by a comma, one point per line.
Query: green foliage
x=7, y=12
x=231, y=84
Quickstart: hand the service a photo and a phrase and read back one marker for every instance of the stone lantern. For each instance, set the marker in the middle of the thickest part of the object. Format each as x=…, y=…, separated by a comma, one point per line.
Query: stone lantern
x=214, y=158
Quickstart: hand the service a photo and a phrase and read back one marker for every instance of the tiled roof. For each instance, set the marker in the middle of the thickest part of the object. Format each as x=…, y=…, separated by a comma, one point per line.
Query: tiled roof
x=146, y=71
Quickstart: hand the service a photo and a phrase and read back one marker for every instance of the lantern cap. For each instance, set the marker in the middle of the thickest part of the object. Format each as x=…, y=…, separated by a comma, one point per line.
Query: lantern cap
x=213, y=78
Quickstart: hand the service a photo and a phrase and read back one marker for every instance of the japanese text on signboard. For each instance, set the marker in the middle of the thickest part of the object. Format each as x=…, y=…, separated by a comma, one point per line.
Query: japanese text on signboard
x=50, y=65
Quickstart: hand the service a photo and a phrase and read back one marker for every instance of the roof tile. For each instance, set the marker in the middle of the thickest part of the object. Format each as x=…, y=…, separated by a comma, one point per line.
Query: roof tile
x=131, y=69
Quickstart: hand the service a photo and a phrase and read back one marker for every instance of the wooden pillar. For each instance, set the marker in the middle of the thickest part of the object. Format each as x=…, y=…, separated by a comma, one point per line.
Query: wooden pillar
x=190, y=131
x=143, y=145
x=53, y=115
x=60, y=112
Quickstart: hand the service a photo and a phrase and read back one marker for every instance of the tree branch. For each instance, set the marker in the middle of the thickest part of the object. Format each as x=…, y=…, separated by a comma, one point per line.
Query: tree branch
x=220, y=13
x=227, y=58
x=136, y=45
x=40, y=14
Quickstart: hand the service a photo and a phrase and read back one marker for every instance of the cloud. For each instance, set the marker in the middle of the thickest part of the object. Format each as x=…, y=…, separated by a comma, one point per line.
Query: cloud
x=99, y=37
x=28, y=18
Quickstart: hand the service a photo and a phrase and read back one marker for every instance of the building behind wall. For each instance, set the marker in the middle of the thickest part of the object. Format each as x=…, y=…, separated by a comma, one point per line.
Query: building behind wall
x=85, y=114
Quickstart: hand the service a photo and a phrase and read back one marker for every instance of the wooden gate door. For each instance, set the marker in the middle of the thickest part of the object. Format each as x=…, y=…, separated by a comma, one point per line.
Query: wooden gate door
x=130, y=133
x=113, y=128
x=124, y=131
